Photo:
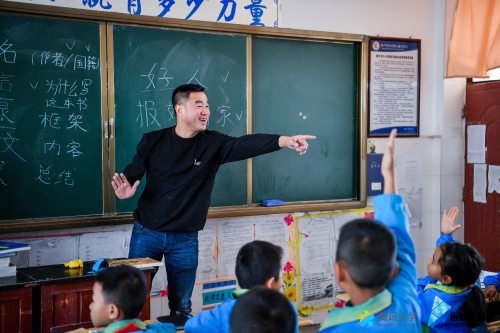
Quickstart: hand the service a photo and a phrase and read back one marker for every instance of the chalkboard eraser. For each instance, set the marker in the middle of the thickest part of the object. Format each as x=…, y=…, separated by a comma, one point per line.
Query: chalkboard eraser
x=272, y=202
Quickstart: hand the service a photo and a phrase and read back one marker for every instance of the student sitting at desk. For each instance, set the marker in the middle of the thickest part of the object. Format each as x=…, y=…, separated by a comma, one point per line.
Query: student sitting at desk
x=119, y=294
x=258, y=263
x=457, y=304
x=376, y=267
x=263, y=310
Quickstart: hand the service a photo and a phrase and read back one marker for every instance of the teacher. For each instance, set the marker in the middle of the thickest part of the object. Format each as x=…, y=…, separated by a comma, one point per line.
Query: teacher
x=180, y=163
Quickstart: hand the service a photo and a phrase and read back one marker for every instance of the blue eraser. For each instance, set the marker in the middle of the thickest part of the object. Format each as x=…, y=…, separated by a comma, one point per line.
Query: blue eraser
x=274, y=202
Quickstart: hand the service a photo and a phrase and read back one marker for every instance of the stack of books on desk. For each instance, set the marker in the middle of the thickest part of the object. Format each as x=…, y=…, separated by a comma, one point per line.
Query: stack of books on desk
x=8, y=250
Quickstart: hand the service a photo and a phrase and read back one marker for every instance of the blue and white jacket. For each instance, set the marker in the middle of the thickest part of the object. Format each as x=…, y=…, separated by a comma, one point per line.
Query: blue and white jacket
x=396, y=308
x=440, y=304
x=217, y=319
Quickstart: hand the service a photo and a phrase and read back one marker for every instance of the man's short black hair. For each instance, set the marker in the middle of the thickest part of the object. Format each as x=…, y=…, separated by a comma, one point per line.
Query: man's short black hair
x=124, y=286
x=257, y=262
x=263, y=310
x=181, y=93
x=367, y=250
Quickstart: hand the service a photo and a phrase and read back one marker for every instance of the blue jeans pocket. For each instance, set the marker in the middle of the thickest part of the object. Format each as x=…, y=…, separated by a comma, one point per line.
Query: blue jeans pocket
x=191, y=235
x=139, y=228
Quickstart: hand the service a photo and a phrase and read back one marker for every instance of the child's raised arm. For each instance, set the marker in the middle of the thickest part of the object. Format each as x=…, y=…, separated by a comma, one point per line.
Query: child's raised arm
x=448, y=226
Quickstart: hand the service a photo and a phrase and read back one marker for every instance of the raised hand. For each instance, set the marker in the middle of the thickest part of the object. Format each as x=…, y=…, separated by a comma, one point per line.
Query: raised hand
x=448, y=221
x=387, y=167
x=123, y=189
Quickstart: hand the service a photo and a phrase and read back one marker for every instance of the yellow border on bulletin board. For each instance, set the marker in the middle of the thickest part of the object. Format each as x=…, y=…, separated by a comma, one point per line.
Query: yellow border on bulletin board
x=298, y=238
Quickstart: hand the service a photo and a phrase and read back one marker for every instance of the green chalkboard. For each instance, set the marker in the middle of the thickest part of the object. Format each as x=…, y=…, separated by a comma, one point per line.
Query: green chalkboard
x=50, y=118
x=302, y=87
x=149, y=65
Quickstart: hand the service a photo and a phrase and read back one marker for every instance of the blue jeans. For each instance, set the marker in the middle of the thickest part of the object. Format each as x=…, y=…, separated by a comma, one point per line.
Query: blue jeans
x=181, y=261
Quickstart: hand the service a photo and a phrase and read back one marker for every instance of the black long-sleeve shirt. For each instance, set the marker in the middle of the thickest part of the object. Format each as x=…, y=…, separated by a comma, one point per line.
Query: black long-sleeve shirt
x=180, y=174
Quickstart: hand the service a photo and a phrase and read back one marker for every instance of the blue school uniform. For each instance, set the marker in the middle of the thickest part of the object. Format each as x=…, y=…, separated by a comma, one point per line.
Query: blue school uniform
x=440, y=304
x=217, y=319
x=494, y=280
x=396, y=308
x=136, y=326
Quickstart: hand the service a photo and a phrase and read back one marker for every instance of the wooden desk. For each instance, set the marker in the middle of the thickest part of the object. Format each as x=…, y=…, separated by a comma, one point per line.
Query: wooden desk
x=302, y=322
x=16, y=303
x=50, y=298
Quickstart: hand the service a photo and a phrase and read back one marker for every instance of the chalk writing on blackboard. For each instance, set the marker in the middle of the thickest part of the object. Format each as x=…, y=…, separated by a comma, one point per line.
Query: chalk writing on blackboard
x=171, y=111
x=8, y=56
x=151, y=85
x=2, y=163
x=73, y=148
x=58, y=59
x=9, y=141
x=5, y=84
x=194, y=78
x=46, y=177
x=147, y=114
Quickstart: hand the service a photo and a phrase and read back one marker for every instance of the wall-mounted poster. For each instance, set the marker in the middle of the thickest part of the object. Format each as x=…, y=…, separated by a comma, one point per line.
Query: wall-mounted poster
x=394, y=86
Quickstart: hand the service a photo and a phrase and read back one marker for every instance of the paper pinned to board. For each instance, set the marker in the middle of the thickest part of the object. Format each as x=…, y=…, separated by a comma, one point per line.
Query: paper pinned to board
x=317, y=289
x=411, y=171
x=315, y=250
x=207, y=264
x=53, y=251
x=493, y=181
x=342, y=219
x=476, y=144
x=233, y=233
x=273, y=229
x=479, y=188
x=114, y=244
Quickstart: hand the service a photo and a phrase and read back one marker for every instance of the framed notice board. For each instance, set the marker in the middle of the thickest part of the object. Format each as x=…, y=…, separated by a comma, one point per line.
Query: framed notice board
x=394, y=86
x=258, y=79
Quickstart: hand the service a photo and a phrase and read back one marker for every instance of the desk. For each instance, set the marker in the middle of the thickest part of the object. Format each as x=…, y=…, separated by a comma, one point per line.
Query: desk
x=16, y=303
x=302, y=323
x=50, y=298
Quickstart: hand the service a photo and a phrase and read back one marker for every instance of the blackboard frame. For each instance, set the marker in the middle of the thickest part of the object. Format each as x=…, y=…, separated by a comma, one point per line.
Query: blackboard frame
x=107, y=20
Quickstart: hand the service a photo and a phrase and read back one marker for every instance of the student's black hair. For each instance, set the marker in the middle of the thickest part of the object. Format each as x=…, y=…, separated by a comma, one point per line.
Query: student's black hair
x=367, y=250
x=463, y=264
x=263, y=310
x=124, y=286
x=181, y=93
x=257, y=262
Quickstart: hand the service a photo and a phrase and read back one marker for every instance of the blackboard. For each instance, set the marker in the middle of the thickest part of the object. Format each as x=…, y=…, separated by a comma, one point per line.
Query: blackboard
x=50, y=116
x=148, y=64
x=303, y=87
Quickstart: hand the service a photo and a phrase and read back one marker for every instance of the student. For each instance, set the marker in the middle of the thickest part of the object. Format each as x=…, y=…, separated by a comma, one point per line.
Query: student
x=376, y=267
x=263, y=310
x=258, y=263
x=119, y=294
x=457, y=304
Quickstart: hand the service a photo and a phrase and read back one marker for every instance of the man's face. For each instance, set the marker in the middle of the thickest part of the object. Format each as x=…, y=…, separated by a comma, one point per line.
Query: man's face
x=194, y=115
x=99, y=308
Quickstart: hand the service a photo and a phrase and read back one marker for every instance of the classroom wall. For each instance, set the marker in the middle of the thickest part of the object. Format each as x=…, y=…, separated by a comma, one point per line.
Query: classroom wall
x=441, y=129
